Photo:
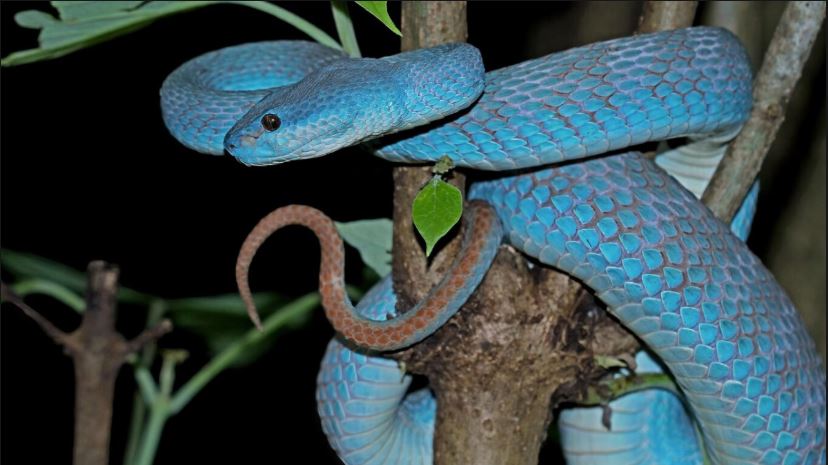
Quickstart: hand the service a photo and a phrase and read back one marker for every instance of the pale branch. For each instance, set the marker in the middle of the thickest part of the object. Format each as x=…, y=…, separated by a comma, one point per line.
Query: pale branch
x=664, y=16
x=781, y=68
x=98, y=351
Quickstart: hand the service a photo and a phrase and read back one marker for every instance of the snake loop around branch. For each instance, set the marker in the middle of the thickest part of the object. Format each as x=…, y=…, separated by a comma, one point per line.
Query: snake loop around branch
x=660, y=261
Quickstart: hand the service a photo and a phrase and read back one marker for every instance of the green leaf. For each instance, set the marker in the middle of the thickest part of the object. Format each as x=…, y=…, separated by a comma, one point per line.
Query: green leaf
x=74, y=10
x=24, y=265
x=380, y=11
x=224, y=304
x=345, y=28
x=246, y=347
x=373, y=240
x=52, y=289
x=437, y=208
x=28, y=266
x=222, y=320
x=85, y=23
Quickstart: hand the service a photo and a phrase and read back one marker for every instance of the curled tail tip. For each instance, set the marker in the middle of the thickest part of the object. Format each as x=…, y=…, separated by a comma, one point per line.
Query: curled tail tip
x=252, y=313
x=244, y=292
x=254, y=317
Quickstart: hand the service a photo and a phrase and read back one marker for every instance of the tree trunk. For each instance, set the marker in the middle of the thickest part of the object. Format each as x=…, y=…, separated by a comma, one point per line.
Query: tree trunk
x=521, y=341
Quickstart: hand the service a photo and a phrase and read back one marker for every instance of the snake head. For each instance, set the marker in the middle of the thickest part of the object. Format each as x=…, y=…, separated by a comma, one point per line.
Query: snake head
x=293, y=123
x=353, y=100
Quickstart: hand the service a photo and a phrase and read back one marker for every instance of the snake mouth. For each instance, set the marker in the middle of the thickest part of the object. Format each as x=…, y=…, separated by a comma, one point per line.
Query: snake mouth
x=245, y=150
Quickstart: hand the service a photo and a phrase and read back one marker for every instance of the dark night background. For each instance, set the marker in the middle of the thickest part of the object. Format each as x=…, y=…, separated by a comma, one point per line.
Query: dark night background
x=90, y=172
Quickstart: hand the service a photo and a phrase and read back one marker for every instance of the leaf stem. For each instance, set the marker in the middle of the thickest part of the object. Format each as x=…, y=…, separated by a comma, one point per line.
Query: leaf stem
x=160, y=404
x=159, y=412
x=156, y=311
x=146, y=385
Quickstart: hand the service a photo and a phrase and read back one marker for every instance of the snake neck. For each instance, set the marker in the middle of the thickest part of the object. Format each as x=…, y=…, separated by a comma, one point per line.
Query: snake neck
x=438, y=82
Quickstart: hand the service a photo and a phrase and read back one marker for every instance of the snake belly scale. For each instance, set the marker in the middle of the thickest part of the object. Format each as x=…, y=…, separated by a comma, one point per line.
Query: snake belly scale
x=663, y=265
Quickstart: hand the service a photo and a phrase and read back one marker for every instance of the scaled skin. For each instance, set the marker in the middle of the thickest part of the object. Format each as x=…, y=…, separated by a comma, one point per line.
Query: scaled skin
x=652, y=252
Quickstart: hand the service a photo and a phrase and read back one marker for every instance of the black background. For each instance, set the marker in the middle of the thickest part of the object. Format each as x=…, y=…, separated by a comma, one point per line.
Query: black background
x=90, y=172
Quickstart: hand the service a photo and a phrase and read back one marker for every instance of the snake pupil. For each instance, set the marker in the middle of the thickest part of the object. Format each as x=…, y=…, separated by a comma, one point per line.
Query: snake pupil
x=271, y=122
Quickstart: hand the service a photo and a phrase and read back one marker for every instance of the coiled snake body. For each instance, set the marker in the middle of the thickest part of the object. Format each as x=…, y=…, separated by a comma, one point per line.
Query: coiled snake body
x=661, y=262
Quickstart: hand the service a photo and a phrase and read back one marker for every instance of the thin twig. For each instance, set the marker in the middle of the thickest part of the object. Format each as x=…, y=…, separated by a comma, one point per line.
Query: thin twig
x=60, y=337
x=789, y=48
x=147, y=335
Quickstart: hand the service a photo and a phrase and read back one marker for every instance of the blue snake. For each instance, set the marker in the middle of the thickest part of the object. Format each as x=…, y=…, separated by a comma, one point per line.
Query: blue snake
x=659, y=260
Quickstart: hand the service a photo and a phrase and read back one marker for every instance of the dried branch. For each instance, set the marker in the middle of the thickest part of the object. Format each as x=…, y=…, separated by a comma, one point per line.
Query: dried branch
x=98, y=351
x=789, y=48
x=664, y=16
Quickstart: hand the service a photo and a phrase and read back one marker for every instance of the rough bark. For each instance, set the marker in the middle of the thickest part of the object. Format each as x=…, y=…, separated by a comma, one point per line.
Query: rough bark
x=527, y=340
x=98, y=351
x=523, y=342
x=424, y=24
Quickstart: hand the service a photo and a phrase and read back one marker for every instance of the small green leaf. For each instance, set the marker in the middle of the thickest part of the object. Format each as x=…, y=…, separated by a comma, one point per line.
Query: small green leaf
x=373, y=240
x=380, y=11
x=437, y=208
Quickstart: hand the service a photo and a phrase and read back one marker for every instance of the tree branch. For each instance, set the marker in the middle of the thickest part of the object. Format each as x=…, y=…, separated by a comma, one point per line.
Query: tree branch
x=664, y=16
x=98, y=352
x=424, y=24
x=529, y=328
x=148, y=335
x=61, y=338
x=786, y=55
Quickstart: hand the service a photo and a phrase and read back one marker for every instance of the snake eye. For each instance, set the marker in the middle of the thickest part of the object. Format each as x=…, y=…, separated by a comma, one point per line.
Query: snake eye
x=271, y=122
